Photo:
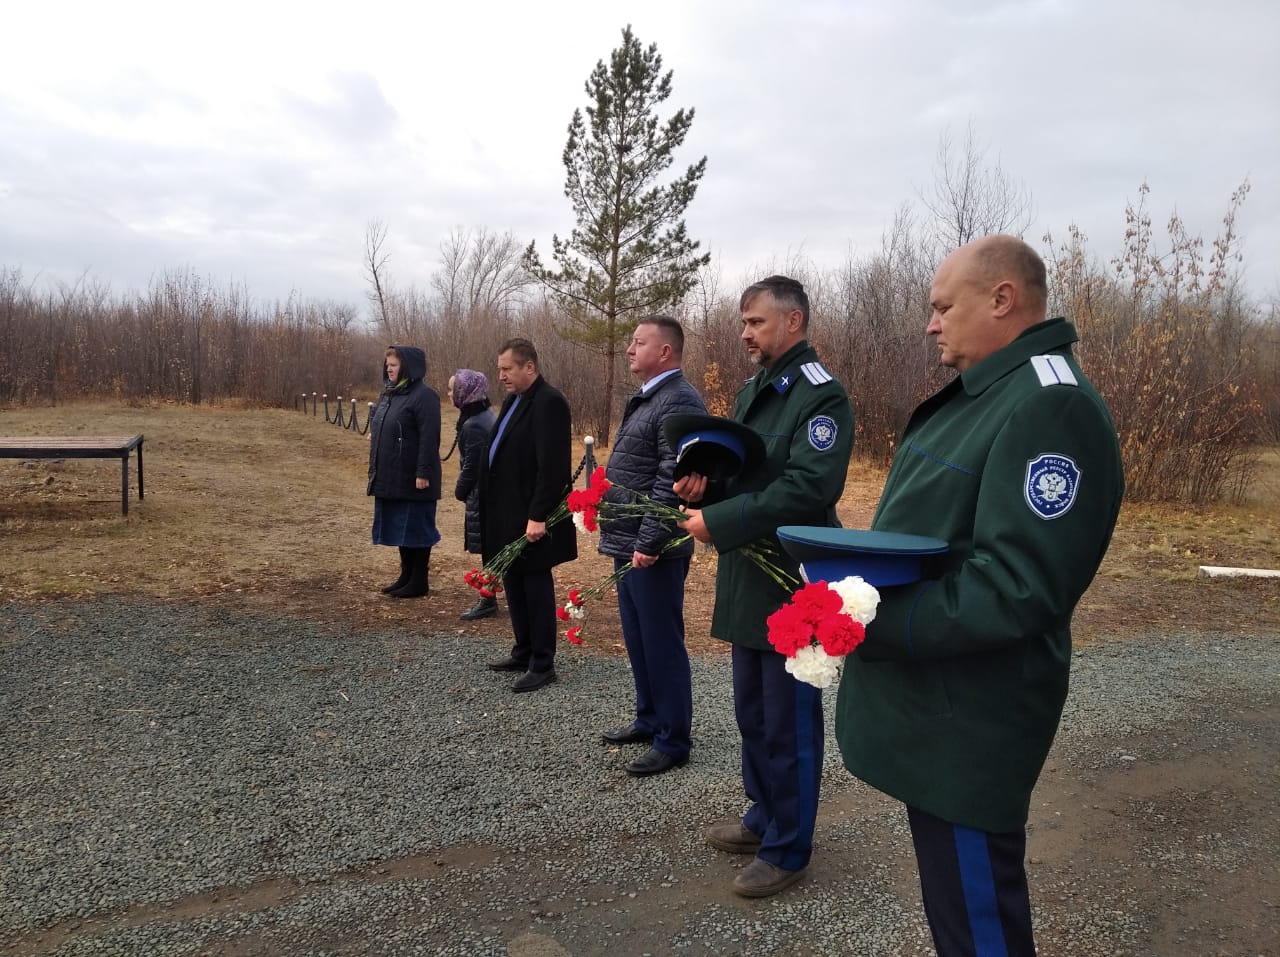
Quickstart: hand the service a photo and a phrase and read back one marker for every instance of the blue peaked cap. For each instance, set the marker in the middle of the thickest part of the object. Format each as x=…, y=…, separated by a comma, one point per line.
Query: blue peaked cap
x=711, y=445
x=878, y=558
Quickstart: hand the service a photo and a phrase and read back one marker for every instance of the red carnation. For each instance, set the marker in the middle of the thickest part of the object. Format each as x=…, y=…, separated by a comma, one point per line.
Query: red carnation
x=788, y=630
x=839, y=634
x=598, y=481
x=817, y=601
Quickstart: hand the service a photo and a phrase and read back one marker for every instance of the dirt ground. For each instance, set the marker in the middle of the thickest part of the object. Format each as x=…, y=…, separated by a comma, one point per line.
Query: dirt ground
x=265, y=510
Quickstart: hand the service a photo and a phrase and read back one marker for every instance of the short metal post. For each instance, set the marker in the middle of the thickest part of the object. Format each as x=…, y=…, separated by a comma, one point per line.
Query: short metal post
x=588, y=458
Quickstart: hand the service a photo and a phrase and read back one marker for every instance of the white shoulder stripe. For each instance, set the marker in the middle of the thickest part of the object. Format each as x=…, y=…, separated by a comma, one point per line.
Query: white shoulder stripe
x=1053, y=370
x=815, y=373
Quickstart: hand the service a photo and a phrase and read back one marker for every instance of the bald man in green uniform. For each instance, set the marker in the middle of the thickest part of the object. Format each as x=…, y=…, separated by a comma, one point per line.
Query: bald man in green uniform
x=952, y=702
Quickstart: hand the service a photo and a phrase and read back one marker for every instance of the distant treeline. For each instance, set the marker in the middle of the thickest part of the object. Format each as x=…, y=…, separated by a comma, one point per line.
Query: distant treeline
x=1189, y=363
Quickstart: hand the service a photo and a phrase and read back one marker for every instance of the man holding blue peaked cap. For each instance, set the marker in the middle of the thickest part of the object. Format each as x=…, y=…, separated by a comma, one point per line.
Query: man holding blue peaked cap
x=803, y=416
x=952, y=701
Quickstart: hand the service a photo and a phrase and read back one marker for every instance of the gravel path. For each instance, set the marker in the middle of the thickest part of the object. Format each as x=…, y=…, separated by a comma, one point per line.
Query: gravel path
x=184, y=781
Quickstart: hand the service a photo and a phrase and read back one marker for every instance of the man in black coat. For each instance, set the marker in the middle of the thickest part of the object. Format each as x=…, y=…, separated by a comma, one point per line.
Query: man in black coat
x=524, y=474
x=651, y=595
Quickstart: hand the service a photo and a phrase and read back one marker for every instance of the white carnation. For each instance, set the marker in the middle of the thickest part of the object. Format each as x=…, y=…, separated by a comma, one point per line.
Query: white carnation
x=860, y=599
x=579, y=521
x=575, y=611
x=814, y=666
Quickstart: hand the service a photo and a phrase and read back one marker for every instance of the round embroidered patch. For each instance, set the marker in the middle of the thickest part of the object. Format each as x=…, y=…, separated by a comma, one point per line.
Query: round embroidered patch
x=822, y=432
x=1051, y=484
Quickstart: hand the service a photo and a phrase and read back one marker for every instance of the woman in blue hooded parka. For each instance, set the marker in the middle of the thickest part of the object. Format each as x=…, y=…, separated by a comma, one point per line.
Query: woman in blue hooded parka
x=404, y=468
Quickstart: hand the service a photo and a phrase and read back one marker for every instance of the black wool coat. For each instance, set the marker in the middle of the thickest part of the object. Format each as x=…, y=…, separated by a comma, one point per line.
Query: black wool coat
x=404, y=435
x=474, y=426
x=528, y=478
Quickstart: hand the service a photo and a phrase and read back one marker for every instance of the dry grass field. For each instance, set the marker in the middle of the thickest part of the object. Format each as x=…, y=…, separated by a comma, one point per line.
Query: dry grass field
x=265, y=509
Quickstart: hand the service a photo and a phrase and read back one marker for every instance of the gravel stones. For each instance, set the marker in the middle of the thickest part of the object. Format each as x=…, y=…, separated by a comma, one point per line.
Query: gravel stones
x=188, y=781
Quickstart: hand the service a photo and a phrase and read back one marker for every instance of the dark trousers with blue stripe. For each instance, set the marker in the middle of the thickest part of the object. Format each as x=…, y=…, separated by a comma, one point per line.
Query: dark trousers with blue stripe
x=974, y=885
x=782, y=743
x=651, y=606
x=531, y=601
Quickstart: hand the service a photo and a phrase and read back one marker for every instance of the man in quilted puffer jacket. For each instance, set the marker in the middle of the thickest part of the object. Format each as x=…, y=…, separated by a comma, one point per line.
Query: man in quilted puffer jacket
x=651, y=596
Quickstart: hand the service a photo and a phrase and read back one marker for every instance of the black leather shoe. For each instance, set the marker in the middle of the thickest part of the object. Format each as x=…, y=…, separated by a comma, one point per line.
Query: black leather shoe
x=628, y=735
x=533, y=680
x=508, y=664
x=653, y=761
x=481, y=609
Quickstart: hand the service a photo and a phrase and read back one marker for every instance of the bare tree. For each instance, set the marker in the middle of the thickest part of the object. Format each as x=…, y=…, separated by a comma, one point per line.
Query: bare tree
x=971, y=198
x=449, y=280
x=375, y=264
x=497, y=277
x=480, y=274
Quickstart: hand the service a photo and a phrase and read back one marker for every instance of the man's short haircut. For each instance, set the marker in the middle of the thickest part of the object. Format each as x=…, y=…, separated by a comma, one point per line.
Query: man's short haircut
x=671, y=331
x=521, y=350
x=1006, y=257
x=788, y=294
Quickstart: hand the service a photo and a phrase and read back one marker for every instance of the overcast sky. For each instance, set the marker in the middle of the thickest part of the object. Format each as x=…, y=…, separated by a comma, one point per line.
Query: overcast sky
x=252, y=142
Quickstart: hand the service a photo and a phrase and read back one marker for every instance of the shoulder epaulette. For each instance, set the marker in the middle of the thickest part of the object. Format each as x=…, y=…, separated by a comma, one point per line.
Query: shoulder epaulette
x=816, y=373
x=1053, y=370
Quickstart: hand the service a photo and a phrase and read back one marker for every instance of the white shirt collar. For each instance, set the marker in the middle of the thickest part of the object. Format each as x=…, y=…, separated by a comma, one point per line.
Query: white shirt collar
x=652, y=383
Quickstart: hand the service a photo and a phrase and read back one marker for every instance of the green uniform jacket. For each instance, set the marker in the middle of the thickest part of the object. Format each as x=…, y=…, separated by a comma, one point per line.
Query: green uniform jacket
x=952, y=702
x=803, y=415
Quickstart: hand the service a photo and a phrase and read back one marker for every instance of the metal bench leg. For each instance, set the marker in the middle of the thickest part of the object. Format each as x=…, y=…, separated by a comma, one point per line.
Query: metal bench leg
x=139, y=471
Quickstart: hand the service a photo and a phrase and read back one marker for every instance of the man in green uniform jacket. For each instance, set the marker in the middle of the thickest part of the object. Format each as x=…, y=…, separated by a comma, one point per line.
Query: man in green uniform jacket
x=803, y=414
x=953, y=700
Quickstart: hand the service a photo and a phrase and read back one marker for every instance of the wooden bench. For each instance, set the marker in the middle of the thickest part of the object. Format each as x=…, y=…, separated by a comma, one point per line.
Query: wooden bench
x=80, y=447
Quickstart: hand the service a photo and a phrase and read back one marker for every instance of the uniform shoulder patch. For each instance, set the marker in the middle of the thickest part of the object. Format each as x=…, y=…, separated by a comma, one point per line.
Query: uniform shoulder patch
x=816, y=373
x=1053, y=370
x=1051, y=484
x=822, y=432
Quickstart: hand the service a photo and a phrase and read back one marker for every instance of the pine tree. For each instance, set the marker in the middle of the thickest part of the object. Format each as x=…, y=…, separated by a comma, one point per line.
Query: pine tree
x=629, y=254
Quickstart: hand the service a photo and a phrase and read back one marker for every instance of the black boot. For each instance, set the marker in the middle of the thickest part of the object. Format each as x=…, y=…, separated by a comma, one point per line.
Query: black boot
x=418, y=583
x=483, y=608
x=404, y=573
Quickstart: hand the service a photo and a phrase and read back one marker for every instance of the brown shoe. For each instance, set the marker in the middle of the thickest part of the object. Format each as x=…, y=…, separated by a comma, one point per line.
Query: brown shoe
x=733, y=838
x=762, y=879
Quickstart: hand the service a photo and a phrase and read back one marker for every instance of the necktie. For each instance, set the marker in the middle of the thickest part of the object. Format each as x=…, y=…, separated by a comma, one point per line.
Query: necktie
x=502, y=426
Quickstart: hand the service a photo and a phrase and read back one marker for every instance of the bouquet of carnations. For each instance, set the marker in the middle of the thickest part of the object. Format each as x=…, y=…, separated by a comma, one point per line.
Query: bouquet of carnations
x=823, y=622
x=582, y=504
x=589, y=509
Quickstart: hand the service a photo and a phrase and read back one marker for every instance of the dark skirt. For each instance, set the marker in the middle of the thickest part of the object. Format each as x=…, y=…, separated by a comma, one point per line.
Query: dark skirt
x=404, y=523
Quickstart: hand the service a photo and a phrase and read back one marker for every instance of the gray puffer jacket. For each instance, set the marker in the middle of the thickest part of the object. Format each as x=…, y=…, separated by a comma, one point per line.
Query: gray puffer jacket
x=643, y=461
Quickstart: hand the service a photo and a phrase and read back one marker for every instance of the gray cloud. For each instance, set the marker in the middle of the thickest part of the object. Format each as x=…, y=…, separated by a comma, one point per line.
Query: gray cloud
x=819, y=120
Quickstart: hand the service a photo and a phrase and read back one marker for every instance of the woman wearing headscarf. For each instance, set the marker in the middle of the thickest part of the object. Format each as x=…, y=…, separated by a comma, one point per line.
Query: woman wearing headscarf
x=469, y=391
x=404, y=468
